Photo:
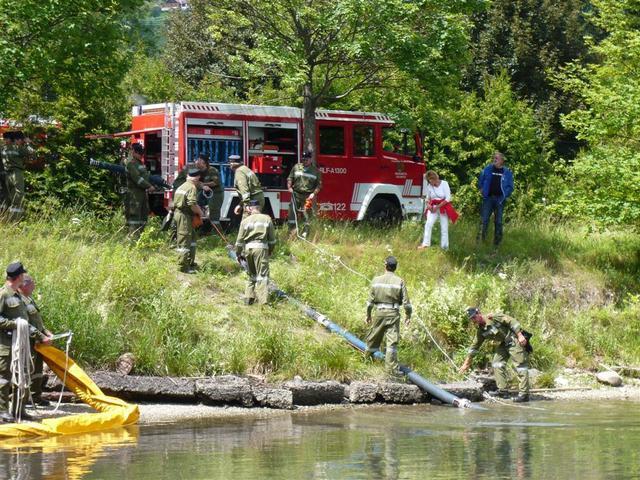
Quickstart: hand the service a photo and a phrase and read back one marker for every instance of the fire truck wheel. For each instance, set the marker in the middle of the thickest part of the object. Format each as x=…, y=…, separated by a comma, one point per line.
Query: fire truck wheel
x=384, y=212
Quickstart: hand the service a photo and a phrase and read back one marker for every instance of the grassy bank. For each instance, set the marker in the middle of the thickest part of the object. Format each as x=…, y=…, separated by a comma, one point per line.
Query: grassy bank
x=577, y=291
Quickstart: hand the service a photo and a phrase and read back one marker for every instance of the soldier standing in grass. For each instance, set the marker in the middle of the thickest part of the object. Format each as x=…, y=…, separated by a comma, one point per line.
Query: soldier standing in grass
x=246, y=184
x=35, y=320
x=14, y=155
x=510, y=342
x=138, y=186
x=304, y=183
x=388, y=293
x=185, y=202
x=255, y=244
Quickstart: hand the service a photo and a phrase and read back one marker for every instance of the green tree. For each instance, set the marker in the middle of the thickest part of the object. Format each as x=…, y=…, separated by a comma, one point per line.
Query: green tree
x=192, y=53
x=65, y=60
x=531, y=40
x=323, y=50
x=466, y=135
x=62, y=45
x=605, y=179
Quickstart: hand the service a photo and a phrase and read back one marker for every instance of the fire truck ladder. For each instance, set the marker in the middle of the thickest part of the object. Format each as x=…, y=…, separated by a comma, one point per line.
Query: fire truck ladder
x=169, y=142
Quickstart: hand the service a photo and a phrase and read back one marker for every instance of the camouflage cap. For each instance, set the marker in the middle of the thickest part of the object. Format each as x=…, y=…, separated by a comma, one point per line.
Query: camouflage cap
x=137, y=148
x=472, y=312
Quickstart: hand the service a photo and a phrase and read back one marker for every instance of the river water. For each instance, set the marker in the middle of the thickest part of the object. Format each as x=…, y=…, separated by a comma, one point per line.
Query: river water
x=554, y=440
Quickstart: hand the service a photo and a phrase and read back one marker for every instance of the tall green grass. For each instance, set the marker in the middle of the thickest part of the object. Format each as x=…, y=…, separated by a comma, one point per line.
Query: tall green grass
x=576, y=290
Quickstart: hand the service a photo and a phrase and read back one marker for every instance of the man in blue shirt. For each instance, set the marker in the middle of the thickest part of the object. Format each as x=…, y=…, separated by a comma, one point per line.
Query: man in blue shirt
x=496, y=184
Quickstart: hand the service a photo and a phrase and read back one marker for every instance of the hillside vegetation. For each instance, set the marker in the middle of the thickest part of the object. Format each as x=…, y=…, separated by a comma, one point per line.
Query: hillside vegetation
x=576, y=290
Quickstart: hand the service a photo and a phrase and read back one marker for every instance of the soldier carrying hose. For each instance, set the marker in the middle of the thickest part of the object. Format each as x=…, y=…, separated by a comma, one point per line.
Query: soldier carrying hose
x=138, y=186
x=388, y=293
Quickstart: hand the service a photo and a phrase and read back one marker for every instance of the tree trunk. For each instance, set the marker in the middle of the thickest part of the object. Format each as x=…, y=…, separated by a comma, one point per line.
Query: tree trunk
x=309, y=121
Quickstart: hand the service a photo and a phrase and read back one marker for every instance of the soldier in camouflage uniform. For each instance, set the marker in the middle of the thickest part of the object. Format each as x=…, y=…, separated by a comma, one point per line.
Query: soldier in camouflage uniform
x=210, y=184
x=388, y=293
x=509, y=341
x=14, y=155
x=185, y=202
x=35, y=320
x=138, y=185
x=255, y=243
x=12, y=308
x=304, y=182
x=246, y=184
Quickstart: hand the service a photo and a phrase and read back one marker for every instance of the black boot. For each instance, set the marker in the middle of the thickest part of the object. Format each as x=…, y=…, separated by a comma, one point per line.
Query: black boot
x=25, y=417
x=6, y=417
x=499, y=393
x=521, y=398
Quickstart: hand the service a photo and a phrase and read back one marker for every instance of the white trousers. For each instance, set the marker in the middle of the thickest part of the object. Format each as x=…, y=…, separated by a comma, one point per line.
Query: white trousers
x=444, y=229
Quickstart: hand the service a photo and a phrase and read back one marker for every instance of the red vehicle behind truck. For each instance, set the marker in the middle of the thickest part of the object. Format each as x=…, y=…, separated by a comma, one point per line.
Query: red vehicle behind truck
x=367, y=173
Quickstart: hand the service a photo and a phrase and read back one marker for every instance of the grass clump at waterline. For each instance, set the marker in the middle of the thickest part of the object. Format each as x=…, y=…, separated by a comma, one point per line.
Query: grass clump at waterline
x=576, y=291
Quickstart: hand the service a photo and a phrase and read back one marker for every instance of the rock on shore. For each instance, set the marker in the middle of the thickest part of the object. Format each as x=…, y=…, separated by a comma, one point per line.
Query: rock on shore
x=231, y=390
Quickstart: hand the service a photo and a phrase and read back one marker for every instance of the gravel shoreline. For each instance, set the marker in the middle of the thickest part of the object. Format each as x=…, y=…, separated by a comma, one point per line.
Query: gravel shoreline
x=154, y=413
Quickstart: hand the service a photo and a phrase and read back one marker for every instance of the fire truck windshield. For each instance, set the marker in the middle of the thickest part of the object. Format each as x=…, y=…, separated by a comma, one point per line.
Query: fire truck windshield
x=396, y=140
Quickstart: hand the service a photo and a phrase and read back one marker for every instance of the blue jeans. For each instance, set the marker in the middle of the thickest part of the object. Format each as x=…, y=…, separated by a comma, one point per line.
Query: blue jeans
x=491, y=205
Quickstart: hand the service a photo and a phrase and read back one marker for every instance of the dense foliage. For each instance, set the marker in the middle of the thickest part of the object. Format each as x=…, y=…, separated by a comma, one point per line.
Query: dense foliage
x=532, y=40
x=605, y=179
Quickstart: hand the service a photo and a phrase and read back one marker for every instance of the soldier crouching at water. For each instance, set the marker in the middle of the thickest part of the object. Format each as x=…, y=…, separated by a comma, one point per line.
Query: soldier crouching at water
x=388, y=293
x=511, y=343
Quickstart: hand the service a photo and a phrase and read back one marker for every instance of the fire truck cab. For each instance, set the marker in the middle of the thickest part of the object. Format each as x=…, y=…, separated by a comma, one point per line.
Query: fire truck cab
x=366, y=171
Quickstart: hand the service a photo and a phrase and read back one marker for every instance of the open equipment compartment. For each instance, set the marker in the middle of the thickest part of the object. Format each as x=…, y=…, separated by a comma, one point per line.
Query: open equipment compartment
x=216, y=139
x=273, y=151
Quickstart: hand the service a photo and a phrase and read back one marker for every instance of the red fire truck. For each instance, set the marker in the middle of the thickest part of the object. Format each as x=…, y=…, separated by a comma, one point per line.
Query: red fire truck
x=368, y=171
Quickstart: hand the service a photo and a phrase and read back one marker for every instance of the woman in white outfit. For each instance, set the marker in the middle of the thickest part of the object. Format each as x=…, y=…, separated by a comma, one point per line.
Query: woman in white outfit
x=438, y=200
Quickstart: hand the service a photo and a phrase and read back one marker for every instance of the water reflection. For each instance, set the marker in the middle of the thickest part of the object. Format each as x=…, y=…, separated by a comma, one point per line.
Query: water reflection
x=581, y=440
x=62, y=457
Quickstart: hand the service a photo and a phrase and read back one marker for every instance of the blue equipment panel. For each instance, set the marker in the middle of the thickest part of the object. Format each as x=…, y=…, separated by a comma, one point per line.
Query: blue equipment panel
x=217, y=151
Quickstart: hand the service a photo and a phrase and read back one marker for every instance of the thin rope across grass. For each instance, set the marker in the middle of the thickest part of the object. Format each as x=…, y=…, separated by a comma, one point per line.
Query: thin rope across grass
x=339, y=261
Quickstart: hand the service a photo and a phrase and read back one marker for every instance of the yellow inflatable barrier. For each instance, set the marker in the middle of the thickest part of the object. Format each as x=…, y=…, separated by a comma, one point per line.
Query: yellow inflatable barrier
x=113, y=412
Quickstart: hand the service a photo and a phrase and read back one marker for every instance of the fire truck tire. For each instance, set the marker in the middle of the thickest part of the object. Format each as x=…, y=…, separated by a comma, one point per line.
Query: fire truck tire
x=382, y=211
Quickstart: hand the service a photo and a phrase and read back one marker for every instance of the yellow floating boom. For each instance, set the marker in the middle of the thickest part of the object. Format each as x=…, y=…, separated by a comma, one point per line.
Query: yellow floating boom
x=112, y=412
